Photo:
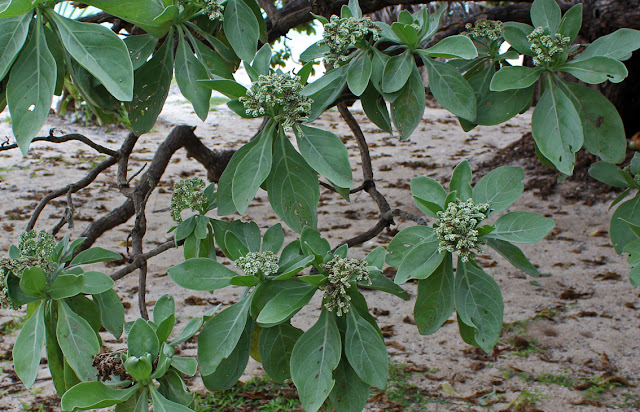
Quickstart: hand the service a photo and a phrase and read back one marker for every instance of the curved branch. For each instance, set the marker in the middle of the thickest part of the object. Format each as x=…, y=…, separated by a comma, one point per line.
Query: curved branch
x=65, y=138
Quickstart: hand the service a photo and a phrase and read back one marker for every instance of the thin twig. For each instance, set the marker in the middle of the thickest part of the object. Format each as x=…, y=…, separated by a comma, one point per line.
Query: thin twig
x=67, y=216
x=131, y=267
x=66, y=138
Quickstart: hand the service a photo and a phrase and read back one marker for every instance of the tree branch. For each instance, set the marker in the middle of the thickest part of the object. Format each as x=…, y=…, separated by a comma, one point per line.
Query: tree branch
x=62, y=139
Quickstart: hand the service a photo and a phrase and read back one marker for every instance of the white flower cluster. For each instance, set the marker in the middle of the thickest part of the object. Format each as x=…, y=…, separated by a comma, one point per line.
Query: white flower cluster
x=252, y=263
x=339, y=34
x=546, y=46
x=278, y=94
x=186, y=195
x=484, y=29
x=36, y=244
x=341, y=271
x=456, y=227
x=211, y=8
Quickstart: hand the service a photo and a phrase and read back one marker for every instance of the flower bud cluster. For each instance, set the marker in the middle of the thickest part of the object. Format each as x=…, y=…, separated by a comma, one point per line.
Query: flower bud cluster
x=252, y=263
x=186, y=195
x=339, y=34
x=484, y=29
x=278, y=94
x=341, y=271
x=546, y=46
x=35, y=249
x=211, y=8
x=456, y=227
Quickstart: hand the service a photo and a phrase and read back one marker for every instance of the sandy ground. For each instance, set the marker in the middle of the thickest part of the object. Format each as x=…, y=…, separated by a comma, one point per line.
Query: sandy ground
x=578, y=325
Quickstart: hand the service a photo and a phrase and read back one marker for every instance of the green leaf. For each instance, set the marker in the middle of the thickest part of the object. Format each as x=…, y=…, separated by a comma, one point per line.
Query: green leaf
x=229, y=88
x=33, y=282
x=557, y=129
x=571, y=22
x=315, y=51
x=285, y=304
x=619, y=231
x=546, y=13
x=66, y=286
x=189, y=331
x=596, y=70
x=30, y=88
x=142, y=339
x=276, y=345
x=408, y=107
x=325, y=90
x=140, y=48
x=500, y=188
x=139, y=12
x=375, y=108
x=163, y=309
x=435, y=302
x=162, y=404
x=451, y=90
x=405, y=241
x=358, y=73
x=27, y=349
x=231, y=368
x=188, y=71
x=241, y=28
x=96, y=283
x=516, y=35
x=312, y=243
x=94, y=255
x=514, y=77
x=247, y=170
x=602, y=126
x=78, y=342
x=220, y=336
x=235, y=247
x=514, y=255
x=152, y=83
x=522, y=227
x=325, y=152
x=479, y=303
x=608, y=173
x=173, y=387
x=366, y=351
x=188, y=366
x=315, y=355
x=618, y=45
x=407, y=34
x=244, y=280
x=381, y=282
x=273, y=239
x=97, y=48
x=420, y=262
x=293, y=187
x=13, y=34
x=111, y=312
x=452, y=47
x=201, y=274
x=95, y=395
x=461, y=181
x=349, y=393
x=397, y=71
x=428, y=194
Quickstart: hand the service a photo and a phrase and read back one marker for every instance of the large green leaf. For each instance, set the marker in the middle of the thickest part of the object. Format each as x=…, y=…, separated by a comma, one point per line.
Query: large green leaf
x=13, y=34
x=516, y=35
x=596, y=70
x=557, y=129
x=96, y=283
x=78, y=342
x=405, y=241
x=571, y=22
x=142, y=13
x=293, y=187
x=33, y=282
x=500, y=188
x=201, y=274
x=101, y=52
x=349, y=393
x=428, y=194
x=514, y=77
x=152, y=83
x=142, y=339
x=247, y=170
x=162, y=404
x=66, y=286
x=420, y=262
x=232, y=367
x=618, y=45
x=408, y=106
x=140, y=48
x=188, y=71
x=461, y=181
x=514, y=255
x=434, y=302
x=111, y=312
x=314, y=357
x=366, y=351
x=602, y=126
x=451, y=89
x=325, y=152
x=608, y=173
x=220, y=335
x=241, y=28
x=397, y=71
x=27, y=349
x=285, y=304
x=451, y=47
x=14, y=8
x=619, y=231
x=479, y=303
x=522, y=227
x=375, y=108
x=546, y=13
x=30, y=88
x=94, y=395
x=359, y=73
x=326, y=90
x=94, y=255
x=276, y=345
